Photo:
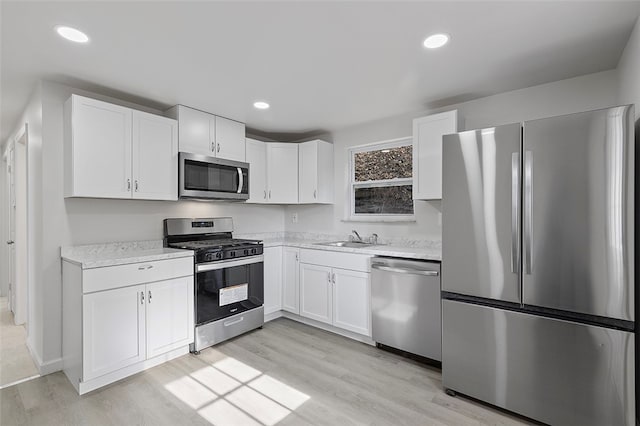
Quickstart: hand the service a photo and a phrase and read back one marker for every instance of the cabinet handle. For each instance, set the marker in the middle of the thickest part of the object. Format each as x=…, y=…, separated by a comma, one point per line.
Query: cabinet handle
x=145, y=267
x=149, y=297
x=218, y=150
x=329, y=277
x=314, y=194
x=142, y=297
x=269, y=194
x=128, y=184
x=265, y=194
x=213, y=147
x=333, y=278
x=296, y=257
x=136, y=185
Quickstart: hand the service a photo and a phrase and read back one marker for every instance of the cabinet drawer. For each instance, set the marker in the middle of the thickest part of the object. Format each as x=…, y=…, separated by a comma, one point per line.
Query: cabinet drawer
x=336, y=259
x=110, y=277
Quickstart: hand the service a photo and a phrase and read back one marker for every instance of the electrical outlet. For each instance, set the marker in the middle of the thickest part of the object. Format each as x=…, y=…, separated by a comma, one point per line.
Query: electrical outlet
x=294, y=218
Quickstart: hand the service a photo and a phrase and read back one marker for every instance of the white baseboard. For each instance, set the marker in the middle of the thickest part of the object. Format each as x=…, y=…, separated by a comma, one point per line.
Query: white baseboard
x=326, y=327
x=44, y=368
x=272, y=316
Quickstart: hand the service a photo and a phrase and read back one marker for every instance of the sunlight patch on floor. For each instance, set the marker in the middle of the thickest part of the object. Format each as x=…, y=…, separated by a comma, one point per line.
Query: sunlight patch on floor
x=230, y=392
x=191, y=392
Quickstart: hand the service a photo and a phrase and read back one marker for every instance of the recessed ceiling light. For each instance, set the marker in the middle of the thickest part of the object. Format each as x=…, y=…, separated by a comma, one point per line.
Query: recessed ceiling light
x=72, y=34
x=261, y=105
x=436, y=40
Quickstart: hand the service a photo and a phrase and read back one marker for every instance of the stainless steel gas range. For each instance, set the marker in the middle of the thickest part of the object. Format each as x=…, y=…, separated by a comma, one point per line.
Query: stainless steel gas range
x=229, y=278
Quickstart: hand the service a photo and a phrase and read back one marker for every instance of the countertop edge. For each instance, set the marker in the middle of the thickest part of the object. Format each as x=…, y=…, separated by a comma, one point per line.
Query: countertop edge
x=126, y=258
x=379, y=250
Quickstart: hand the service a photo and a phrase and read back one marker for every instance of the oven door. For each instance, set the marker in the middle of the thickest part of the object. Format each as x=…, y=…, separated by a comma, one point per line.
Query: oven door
x=228, y=288
x=206, y=177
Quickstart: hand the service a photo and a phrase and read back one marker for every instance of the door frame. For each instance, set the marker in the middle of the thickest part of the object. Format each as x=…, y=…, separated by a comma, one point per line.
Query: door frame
x=19, y=291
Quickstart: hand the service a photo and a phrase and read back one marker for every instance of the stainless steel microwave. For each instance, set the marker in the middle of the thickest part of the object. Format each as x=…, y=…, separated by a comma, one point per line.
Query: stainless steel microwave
x=204, y=177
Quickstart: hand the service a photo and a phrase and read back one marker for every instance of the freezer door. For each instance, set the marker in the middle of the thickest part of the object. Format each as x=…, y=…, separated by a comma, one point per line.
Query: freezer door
x=481, y=213
x=578, y=213
x=554, y=371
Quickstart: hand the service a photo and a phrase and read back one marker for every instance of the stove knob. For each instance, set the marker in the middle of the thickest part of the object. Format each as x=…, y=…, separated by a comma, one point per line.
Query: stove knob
x=253, y=251
x=232, y=254
x=246, y=252
x=218, y=255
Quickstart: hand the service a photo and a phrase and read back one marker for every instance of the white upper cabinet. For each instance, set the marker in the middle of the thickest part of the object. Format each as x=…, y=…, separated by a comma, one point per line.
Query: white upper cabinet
x=230, y=139
x=202, y=133
x=155, y=157
x=116, y=152
x=315, y=175
x=427, y=153
x=196, y=130
x=257, y=159
x=97, y=149
x=282, y=173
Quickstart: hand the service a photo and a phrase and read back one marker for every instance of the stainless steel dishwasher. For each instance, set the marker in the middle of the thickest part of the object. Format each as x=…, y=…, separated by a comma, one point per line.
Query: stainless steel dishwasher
x=405, y=305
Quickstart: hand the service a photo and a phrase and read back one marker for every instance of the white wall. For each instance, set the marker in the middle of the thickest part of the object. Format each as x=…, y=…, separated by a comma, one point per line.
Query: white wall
x=88, y=221
x=629, y=71
x=563, y=97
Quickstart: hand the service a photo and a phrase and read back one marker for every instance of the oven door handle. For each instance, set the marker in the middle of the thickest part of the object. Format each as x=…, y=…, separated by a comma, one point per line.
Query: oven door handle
x=214, y=266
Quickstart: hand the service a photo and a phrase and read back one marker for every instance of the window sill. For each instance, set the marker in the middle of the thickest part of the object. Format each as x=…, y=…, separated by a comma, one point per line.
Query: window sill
x=379, y=219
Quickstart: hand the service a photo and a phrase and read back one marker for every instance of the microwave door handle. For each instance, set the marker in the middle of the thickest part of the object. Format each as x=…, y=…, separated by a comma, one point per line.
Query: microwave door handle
x=240, y=180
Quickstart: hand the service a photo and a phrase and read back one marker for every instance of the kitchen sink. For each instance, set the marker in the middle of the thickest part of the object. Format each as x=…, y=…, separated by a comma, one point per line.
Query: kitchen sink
x=350, y=244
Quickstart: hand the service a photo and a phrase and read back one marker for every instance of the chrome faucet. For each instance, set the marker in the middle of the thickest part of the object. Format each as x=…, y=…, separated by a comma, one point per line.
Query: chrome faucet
x=357, y=235
x=373, y=239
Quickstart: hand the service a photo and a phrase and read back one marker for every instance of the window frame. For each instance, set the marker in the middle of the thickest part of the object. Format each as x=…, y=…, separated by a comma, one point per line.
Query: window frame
x=352, y=184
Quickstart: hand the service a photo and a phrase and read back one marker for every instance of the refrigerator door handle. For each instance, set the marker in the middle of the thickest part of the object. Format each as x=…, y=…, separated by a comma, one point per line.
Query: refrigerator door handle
x=528, y=210
x=515, y=207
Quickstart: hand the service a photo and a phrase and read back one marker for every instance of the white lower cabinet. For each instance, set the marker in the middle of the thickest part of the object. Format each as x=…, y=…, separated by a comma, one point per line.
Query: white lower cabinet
x=272, y=280
x=169, y=316
x=334, y=295
x=291, y=280
x=351, y=301
x=315, y=293
x=113, y=330
x=119, y=320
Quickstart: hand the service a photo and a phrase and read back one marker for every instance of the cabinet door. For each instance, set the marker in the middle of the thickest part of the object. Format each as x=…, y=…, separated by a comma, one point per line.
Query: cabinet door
x=197, y=131
x=272, y=279
x=100, y=149
x=170, y=315
x=155, y=157
x=308, y=172
x=257, y=159
x=113, y=330
x=282, y=173
x=291, y=280
x=427, y=153
x=316, y=292
x=315, y=176
x=351, y=301
x=230, y=139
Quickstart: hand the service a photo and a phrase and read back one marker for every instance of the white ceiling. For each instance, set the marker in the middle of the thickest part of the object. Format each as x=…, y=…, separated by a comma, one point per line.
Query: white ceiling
x=321, y=65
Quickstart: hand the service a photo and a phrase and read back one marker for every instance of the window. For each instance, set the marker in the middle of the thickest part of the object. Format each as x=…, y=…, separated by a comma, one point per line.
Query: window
x=381, y=180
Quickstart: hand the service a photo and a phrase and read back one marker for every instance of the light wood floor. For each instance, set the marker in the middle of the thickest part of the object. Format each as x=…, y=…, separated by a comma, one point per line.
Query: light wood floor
x=286, y=374
x=15, y=361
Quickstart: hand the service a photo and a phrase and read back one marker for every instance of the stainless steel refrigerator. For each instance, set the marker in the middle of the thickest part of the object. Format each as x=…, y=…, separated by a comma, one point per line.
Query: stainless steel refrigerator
x=538, y=280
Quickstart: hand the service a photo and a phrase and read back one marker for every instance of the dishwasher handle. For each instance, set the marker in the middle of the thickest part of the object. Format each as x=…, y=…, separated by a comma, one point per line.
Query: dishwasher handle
x=411, y=271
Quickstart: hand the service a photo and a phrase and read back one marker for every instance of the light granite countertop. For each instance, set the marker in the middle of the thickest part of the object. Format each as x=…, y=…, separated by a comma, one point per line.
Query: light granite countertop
x=409, y=249
x=111, y=254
